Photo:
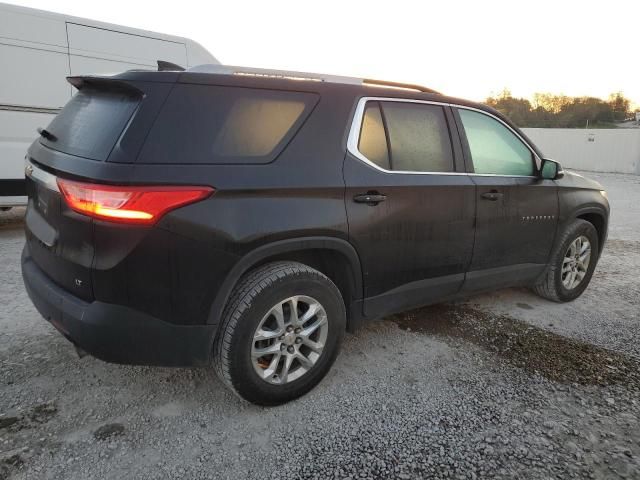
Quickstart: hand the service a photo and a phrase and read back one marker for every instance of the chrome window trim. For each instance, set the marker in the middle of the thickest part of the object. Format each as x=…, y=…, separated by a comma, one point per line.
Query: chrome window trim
x=40, y=176
x=356, y=123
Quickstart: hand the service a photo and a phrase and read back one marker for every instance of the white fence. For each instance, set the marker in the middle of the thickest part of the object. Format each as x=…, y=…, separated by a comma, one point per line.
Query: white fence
x=597, y=150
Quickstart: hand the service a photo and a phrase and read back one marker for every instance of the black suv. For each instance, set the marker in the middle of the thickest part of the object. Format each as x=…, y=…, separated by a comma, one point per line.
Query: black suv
x=245, y=219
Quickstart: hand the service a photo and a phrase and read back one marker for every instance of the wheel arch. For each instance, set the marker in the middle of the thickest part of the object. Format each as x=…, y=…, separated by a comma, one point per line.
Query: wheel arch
x=334, y=257
x=598, y=219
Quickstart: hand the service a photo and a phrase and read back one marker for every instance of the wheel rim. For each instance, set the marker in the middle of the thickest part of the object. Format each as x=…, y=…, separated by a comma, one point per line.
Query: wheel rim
x=576, y=262
x=289, y=339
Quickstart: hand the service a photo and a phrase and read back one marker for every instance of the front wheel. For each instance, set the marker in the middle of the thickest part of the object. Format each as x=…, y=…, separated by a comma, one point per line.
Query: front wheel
x=573, y=261
x=280, y=334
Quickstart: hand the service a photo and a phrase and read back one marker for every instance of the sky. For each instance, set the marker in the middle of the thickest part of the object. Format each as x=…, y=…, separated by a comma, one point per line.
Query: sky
x=470, y=49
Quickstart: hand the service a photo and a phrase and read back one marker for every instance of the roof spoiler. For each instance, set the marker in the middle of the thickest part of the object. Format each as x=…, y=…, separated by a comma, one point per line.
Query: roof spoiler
x=103, y=83
x=164, y=66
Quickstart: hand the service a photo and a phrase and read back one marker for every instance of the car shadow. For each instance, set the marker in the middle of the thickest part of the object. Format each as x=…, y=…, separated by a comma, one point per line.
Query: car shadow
x=531, y=348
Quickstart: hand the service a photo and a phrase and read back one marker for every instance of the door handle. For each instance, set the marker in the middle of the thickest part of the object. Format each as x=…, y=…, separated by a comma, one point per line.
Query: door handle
x=370, y=198
x=492, y=196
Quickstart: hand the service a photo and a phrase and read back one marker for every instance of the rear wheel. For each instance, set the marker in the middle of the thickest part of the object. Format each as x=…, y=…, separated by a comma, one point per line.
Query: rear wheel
x=280, y=334
x=572, y=263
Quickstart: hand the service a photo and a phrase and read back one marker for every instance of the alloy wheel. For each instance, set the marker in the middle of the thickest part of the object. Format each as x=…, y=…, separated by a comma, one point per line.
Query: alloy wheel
x=576, y=262
x=289, y=339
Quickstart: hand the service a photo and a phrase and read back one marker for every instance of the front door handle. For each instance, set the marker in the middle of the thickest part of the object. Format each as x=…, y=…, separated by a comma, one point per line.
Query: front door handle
x=492, y=196
x=370, y=198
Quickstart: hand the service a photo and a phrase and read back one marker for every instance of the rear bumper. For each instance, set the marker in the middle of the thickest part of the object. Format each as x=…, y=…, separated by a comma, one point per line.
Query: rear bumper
x=114, y=333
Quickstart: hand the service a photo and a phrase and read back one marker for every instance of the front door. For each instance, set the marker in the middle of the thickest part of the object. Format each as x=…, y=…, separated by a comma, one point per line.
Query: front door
x=517, y=211
x=410, y=207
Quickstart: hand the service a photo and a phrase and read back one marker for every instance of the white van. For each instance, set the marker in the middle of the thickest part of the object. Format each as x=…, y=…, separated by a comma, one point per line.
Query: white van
x=39, y=49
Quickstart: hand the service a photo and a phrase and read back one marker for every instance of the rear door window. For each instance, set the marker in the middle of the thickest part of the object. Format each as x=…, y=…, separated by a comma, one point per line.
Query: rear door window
x=216, y=124
x=406, y=137
x=418, y=137
x=91, y=122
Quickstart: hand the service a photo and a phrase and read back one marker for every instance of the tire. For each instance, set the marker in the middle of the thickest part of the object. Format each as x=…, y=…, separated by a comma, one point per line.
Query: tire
x=551, y=285
x=251, y=305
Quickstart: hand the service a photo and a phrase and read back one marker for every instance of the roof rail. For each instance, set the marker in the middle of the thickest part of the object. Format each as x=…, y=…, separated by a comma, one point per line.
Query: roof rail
x=314, y=77
x=263, y=72
x=403, y=86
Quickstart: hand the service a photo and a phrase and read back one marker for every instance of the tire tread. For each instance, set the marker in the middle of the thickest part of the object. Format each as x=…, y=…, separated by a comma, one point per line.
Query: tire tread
x=547, y=287
x=241, y=299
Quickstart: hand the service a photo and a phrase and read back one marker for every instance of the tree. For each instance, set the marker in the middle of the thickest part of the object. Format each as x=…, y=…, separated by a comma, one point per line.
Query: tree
x=620, y=106
x=584, y=111
x=517, y=109
x=550, y=102
x=550, y=110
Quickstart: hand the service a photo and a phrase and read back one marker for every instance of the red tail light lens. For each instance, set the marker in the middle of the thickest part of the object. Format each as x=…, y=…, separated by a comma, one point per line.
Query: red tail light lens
x=125, y=204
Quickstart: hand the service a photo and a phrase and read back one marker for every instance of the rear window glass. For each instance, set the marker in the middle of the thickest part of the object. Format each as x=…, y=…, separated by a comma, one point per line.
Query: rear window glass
x=216, y=124
x=91, y=123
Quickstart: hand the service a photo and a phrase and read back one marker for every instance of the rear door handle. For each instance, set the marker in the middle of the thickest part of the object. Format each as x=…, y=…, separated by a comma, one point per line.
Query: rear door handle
x=492, y=196
x=370, y=198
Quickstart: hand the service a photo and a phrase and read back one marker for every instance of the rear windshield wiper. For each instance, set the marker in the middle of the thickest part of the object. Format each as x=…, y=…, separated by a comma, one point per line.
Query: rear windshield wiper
x=47, y=134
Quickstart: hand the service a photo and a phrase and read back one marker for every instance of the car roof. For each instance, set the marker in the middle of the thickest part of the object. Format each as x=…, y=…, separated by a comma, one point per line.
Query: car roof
x=295, y=80
x=250, y=77
x=315, y=81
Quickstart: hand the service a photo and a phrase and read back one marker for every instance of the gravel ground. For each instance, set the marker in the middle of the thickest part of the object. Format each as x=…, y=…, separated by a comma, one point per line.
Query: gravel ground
x=503, y=385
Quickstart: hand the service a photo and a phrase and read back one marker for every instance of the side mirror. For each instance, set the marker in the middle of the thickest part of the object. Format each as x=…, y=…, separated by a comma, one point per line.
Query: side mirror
x=551, y=170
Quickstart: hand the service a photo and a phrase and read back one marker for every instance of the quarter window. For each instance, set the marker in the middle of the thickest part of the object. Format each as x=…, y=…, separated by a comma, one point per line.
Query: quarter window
x=406, y=136
x=212, y=124
x=373, y=143
x=254, y=126
x=494, y=148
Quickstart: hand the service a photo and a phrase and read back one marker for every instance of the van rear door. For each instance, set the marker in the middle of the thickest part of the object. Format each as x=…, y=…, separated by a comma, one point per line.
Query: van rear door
x=95, y=50
x=35, y=63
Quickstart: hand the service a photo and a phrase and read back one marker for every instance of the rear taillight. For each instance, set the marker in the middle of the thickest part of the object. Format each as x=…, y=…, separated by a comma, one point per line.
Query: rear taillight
x=126, y=204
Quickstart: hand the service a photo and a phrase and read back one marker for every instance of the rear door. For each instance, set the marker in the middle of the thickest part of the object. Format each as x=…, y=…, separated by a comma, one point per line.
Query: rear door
x=410, y=208
x=517, y=211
